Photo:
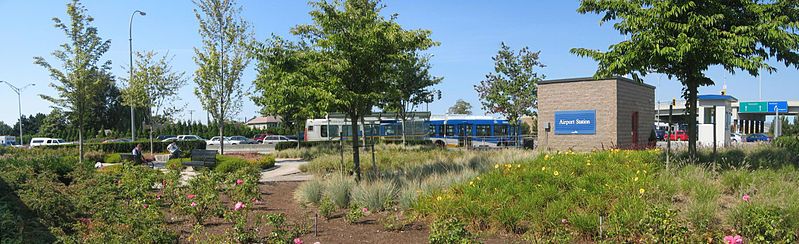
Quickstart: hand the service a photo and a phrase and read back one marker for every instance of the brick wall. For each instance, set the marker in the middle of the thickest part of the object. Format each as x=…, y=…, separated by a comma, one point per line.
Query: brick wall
x=585, y=95
x=634, y=97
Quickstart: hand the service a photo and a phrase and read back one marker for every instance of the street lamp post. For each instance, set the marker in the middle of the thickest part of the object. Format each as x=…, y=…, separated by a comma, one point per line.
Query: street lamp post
x=130, y=40
x=19, y=103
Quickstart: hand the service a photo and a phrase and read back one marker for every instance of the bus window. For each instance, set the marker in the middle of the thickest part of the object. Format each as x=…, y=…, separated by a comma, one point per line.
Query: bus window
x=324, y=131
x=431, y=130
x=483, y=130
x=465, y=130
x=500, y=130
x=346, y=130
x=450, y=130
x=333, y=130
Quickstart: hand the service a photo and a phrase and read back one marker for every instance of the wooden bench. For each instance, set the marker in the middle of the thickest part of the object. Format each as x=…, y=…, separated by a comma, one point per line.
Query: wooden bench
x=202, y=158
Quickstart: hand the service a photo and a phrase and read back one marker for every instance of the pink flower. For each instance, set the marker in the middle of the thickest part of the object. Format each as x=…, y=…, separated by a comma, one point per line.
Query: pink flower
x=745, y=197
x=365, y=210
x=239, y=182
x=254, y=200
x=297, y=241
x=564, y=221
x=191, y=196
x=145, y=205
x=733, y=239
x=238, y=206
x=193, y=204
x=158, y=197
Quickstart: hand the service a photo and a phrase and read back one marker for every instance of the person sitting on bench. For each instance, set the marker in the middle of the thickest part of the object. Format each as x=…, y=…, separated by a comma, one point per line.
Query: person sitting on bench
x=138, y=156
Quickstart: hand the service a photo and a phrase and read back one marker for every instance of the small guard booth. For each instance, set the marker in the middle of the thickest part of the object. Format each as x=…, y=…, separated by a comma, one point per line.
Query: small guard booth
x=584, y=114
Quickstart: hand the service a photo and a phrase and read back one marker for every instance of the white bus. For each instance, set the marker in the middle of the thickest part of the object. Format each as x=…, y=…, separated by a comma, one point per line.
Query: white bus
x=7, y=140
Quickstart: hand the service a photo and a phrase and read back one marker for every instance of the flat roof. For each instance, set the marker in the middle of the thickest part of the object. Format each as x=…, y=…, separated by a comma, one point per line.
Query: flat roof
x=717, y=97
x=582, y=79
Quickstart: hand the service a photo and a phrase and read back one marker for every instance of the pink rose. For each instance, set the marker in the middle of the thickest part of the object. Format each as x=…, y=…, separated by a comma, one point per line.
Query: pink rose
x=193, y=204
x=145, y=205
x=238, y=206
x=365, y=210
x=239, y=182
x=564, y=221
x=733, y=239
x=745, y=197
x=191, y=196
x=297, y=241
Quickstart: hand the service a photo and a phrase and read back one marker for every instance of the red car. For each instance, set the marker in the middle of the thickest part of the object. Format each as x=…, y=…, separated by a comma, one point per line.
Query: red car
x=679, y=135
x=260, y=137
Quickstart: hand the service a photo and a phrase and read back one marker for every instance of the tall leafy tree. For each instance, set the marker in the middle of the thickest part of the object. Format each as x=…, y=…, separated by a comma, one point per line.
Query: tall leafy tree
x=683, y=38
x=154, y=87
x=460, y=107
x=409, y=86
x=511, y=90
x=82, y=71
x=352, y=48
x=54, y=124
x=221, y=59
x=286, y=84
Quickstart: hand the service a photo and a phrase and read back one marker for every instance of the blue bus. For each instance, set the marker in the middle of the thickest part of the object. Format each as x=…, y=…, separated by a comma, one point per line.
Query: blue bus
x=471, y=131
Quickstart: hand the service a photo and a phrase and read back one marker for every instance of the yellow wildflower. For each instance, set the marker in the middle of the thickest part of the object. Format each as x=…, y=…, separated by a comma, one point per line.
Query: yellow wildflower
x=496, y=166
x=588, y=164
x=544, y=168
x=556, y=173
x=641, y=190
x=518, y=166
x=471, y=183
x=438, y=198
x=636, y=179
x=546, y=157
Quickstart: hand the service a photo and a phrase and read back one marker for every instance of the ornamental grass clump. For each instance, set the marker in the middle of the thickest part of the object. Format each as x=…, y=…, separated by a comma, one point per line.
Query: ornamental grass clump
x=376, y=195
x=338, y=188
x=309, y=192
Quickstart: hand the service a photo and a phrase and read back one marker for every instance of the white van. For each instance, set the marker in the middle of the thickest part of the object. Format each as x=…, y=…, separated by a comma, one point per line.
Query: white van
x=7, y=140
x=42, y=141
x=190, y=138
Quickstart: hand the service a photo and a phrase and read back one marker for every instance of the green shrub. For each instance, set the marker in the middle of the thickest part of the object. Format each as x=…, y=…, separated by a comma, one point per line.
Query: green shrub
x=450, y=230
x=176, y=163
x=355, y=214
x=338, y=189
x=127, y=147
x=111, y=169
x=393, y=222
x=662, y=225
x=374, y=195
x=309, y=192
x=759, y=224
x=326, y=208
x=229, y=164
x=112, y=158
x=265, y=162
x=202, y=199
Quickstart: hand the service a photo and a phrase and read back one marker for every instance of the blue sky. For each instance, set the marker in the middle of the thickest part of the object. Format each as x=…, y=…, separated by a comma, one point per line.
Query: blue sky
x=469, y=31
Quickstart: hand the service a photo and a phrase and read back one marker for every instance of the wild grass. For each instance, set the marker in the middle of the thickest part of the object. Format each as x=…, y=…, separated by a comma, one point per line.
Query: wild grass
x=338, y=189
x=309, y=192
x=375, y=195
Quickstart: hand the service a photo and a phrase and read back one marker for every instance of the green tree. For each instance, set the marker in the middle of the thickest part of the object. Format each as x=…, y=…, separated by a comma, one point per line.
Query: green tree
x=54, y=124
x=353, y=48
x=284, y=68
x=409, y=86
x=683, y=38
x=5, y=129
x=82, y=73
x=222, y=59
x=460, y=107
x=512, y=91
x=154, y=88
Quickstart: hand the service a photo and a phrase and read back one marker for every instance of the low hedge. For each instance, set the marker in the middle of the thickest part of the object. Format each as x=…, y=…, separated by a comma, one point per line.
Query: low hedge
x=127, y=147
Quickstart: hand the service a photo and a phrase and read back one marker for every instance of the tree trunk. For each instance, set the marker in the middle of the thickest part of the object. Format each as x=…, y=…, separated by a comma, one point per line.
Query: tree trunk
x=80, y=143
x=150, y=112
x=691, y=105
x=356, y=159
x=222, y=137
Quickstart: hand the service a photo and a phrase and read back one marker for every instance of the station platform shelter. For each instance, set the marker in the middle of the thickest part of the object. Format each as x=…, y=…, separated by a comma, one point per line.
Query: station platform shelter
x=746, y=117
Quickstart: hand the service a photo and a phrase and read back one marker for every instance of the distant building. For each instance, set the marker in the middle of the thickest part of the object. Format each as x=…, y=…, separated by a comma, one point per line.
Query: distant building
x=263, y=123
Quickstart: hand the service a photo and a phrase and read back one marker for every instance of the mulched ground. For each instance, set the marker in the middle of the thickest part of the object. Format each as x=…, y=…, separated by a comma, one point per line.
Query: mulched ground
x=278, y=198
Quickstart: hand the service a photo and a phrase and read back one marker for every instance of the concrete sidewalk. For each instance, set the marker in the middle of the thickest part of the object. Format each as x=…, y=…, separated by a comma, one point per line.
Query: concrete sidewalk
x=286, y=170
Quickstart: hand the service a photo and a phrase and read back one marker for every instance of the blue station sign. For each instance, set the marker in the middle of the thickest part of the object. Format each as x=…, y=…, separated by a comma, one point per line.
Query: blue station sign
x=577, y=122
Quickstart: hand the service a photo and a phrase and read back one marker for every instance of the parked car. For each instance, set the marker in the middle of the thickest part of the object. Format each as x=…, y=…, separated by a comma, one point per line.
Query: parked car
x=679, y=135
x=164, y=137
x=42, y=141
x=8, y=140
x=660, y=135
x=260, y=137
x=736, y=137
x=277, y=139
x=757, y=137
x=189, y=138
x=215, y=141
x=171, y=139
x=238, y=140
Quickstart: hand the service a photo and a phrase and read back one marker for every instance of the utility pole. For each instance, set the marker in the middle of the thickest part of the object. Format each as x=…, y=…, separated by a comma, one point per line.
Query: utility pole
x=130, y=40
x=191, y=114
x=668, y=137
x=19, y=103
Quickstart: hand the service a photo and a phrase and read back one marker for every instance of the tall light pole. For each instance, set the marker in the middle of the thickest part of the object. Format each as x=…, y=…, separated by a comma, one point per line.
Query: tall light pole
x=18, y=90
x=130, y=40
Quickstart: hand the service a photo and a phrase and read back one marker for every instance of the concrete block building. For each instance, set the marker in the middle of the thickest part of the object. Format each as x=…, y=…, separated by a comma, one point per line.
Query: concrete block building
x=584, y=113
